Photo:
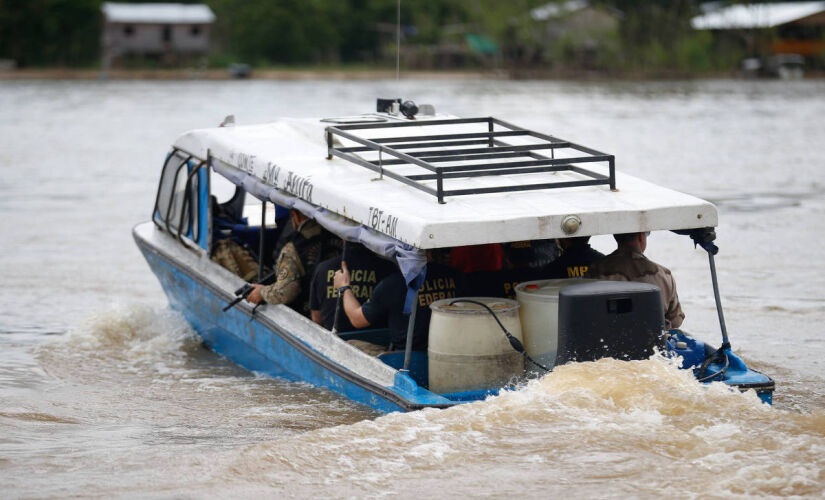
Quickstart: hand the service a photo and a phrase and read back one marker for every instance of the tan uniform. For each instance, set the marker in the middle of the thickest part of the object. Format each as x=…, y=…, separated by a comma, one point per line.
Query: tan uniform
x=630, y=265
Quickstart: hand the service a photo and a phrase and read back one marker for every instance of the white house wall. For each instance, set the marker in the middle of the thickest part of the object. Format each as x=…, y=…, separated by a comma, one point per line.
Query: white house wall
x=148, y=38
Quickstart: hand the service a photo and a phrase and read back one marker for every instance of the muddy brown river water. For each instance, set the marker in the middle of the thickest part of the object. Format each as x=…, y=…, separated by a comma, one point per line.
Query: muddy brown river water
x=105, y=392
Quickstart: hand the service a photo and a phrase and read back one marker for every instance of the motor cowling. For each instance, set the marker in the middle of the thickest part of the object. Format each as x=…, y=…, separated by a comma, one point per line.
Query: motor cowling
x=615, y=319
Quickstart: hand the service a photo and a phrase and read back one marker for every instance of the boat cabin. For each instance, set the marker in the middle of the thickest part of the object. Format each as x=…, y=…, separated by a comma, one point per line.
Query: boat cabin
x=400, y=185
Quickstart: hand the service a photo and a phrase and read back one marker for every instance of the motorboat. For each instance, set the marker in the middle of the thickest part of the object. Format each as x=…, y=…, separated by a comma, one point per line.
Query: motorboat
x=402, y=181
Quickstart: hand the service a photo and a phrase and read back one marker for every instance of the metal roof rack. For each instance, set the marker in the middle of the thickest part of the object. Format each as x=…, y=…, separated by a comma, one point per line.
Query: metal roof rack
x=474, y=153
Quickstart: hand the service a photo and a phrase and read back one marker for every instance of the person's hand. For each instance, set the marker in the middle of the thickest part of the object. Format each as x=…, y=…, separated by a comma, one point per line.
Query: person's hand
x=255, y=295
x=341, y=277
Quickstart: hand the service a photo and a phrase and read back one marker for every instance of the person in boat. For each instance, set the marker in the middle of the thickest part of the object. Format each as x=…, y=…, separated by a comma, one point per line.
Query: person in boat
x=476, y=258
x=575, y=259
x=286, y=234
x=234, y=257
x=541, y=253
x=229, y=250
x=534, y=255
x=519, y=261
x=518, y=255
x=366, y=270
x=386, y=306
x=295, y=264
x=499, y=273
x=628, y=263
x=525, y=261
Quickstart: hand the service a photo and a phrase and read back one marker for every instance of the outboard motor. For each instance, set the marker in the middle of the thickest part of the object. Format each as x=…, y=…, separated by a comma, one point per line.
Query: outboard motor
x=615, y=319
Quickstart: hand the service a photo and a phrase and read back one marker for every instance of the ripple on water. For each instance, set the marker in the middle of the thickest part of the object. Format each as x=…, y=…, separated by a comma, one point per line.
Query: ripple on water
x=157, y=415
x=585, y=424
x=26, y=416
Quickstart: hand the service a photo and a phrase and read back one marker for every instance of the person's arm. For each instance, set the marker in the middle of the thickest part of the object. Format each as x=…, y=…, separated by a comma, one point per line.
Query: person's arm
x=317, y=288
x=673, y=312
x=287, y=286
x=315, y=314
x=255, y=295
x=352, y=308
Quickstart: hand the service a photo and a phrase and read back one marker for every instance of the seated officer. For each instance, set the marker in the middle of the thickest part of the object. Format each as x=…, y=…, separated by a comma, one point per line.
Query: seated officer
x=628, y=263
x=544, y=252
x=519, y=264
x=366, y=270
x=474, y=258
x=296, y=263
x=576, y=257
x=387, y=302
x=231, y=255
x=524, y=261
x=529, y=254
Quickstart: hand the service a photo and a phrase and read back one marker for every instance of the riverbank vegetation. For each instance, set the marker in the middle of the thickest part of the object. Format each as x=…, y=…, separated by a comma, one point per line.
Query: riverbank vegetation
x=517, y=35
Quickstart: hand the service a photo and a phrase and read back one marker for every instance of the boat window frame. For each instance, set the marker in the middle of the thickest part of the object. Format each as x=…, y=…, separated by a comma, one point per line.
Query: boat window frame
x=191, y=238
x=173, y=199
x=156, y=213
x=193, y=224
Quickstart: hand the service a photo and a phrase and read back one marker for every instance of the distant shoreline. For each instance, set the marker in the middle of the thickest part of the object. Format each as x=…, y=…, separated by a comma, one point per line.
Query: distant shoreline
x=343, y=74
x=257, y=74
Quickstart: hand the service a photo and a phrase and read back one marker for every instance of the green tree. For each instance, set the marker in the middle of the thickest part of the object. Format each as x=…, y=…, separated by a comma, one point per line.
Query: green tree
x=40, y=32
x=656, y=34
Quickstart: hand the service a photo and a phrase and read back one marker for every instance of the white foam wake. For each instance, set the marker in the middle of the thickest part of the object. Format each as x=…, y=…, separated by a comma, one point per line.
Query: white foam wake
x=134, y=333
x=566, y=431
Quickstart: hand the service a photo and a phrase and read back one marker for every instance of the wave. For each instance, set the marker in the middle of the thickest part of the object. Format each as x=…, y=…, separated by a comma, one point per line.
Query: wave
x=136, y=334
x=573, y=428
x=601, y=429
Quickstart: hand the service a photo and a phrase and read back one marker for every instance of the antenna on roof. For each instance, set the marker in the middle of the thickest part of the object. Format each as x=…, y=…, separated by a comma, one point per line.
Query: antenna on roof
x=398, y=43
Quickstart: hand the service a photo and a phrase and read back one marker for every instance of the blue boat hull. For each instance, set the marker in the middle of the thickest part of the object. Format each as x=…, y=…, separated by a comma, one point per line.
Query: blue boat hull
x=259, y=344
x=729, y=368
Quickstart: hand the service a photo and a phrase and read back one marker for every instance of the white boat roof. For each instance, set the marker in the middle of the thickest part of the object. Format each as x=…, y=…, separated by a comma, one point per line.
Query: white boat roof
x=752, y=16
x=157, y=13
x=290, y=154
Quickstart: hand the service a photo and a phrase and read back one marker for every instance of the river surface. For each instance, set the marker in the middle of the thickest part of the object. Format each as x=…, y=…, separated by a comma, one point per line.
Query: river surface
x=105, y=392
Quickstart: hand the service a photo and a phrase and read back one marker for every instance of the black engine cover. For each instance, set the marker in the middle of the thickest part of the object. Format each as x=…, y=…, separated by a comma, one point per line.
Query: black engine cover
x=615, y=319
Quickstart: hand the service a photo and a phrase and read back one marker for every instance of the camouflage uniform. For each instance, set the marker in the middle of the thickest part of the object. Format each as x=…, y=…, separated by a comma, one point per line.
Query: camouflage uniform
x=236, y=258
x=287, y=286
x=630, y=265
x=294, y=266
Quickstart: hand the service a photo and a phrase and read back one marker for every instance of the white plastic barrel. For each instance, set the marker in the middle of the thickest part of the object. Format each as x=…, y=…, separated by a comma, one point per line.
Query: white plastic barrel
x=539, y=313
x=467, y=350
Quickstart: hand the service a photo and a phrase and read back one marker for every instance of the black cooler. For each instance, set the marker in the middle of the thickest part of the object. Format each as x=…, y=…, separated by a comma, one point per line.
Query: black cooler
x=615, y=319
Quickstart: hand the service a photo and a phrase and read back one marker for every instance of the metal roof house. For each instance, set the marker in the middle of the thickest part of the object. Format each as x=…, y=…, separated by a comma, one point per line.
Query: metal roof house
x=167, y=30
x=765, y=15
x=772, y=28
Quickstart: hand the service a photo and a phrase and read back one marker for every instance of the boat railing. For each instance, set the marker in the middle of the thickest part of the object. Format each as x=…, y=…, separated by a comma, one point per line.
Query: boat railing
x=479, y=152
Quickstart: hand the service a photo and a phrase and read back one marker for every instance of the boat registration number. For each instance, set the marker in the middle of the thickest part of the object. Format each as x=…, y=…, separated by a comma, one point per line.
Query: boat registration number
x=382, y=221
